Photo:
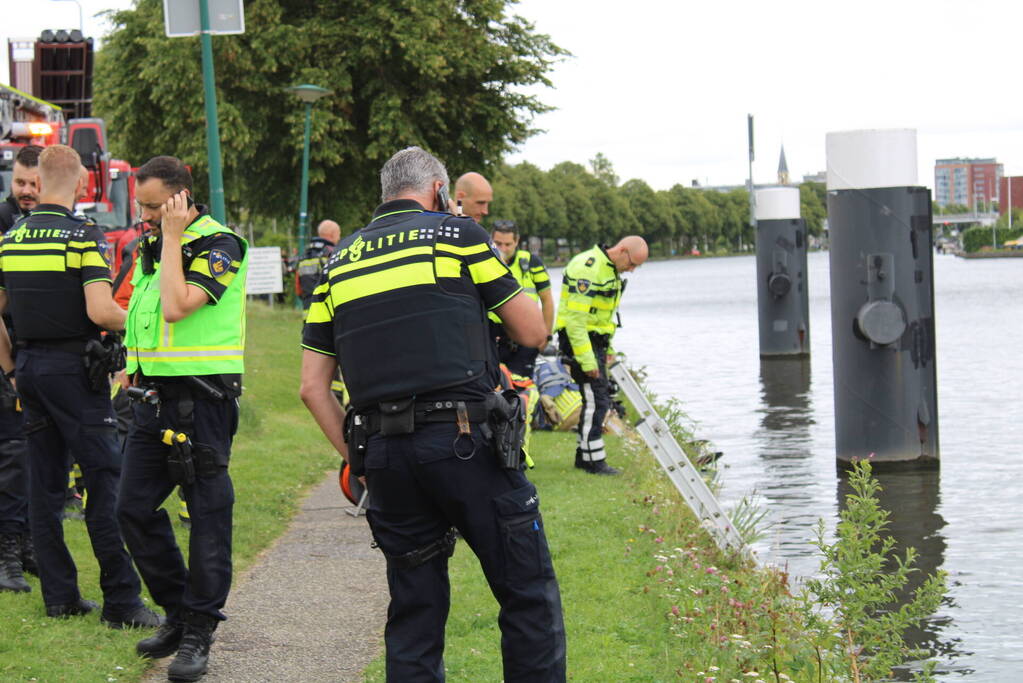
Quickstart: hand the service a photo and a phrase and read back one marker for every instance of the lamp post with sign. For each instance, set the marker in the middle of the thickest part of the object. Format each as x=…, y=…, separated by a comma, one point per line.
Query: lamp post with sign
x=193, y=17
x=308, y=94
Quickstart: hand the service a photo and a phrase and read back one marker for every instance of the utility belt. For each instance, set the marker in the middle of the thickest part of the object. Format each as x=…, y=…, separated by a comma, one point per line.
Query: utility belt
x=501, y=417
x=186, y=459
x=102, y=357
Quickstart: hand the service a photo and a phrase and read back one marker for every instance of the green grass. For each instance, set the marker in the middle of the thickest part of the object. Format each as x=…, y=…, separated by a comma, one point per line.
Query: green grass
x=277, y=454
x=634, y=569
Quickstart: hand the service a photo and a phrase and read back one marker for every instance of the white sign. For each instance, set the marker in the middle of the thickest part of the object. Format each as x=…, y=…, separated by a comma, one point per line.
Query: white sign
x=265, y=274
x=181, y=17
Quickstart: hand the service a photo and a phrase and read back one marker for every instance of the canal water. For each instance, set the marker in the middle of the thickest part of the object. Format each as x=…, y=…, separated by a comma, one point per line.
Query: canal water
x=693, y=325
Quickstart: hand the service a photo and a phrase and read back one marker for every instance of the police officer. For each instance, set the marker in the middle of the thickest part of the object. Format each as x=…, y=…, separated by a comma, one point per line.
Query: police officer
x=185, y=337
x=24, y=187
x=590, y=292
x=54, y=276
x=473, y=194
x=16, y=554
x=529, y=272
x=307, y=272
x=402, y=308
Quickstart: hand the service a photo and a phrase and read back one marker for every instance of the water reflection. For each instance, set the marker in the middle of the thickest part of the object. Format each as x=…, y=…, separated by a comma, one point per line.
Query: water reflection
x=784, y=444
x=913, y=499
x=786, y=413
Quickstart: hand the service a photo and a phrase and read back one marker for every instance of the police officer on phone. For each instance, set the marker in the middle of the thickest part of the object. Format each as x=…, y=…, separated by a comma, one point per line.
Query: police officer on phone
x=55, y=278
x=402, y=307
x=184, y=337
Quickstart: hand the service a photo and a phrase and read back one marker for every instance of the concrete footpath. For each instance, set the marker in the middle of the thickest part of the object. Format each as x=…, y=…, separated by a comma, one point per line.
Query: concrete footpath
x=312, y=607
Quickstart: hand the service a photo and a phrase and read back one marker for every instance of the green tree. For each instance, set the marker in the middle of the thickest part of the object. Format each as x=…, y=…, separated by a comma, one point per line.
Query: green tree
x=447, y=75
x=570, y=180
x=813, y=206
x=650, y=210
x=603, y=169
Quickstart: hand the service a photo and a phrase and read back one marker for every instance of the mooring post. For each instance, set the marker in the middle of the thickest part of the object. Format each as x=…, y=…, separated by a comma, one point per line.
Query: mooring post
x=782, y=303
x=882, y=300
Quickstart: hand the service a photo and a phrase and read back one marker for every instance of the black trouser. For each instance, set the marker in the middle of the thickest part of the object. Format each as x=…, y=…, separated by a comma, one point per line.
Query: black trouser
x=418, y=490
x=63, y=413
x=596, y=398
x=202, y=587
x=13, y=473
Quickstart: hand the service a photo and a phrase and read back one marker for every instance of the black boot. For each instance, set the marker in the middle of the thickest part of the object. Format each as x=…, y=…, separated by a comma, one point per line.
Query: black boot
x=28, y=555
x=163, y=643
x=600, y=467
x=11, y=576
x=579, y=462
x=194, y=651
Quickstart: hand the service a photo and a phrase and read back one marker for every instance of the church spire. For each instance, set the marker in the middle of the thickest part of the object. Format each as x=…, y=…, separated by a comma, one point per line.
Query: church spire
x=783, y=169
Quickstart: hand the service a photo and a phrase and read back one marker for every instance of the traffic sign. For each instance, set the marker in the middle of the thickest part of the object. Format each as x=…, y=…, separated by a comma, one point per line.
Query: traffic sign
x=181, y=17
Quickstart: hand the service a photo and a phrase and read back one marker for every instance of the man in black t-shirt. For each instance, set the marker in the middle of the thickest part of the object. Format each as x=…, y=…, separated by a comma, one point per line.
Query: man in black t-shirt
x=55, y=279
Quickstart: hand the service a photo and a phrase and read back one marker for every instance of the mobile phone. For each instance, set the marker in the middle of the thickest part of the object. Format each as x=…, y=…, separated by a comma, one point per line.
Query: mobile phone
x=189, y=201
x=443, y=199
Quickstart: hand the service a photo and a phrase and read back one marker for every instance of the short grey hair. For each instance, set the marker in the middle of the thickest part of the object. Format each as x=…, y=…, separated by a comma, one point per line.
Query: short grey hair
x=412, y=170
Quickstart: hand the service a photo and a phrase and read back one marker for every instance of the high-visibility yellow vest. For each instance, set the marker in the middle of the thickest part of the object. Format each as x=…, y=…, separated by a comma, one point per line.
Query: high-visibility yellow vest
x=525, y=277
x=210, y=341
x=590, y=291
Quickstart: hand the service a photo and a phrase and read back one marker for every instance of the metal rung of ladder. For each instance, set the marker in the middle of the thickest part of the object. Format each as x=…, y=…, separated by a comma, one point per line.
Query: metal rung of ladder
x=676, y=465
x=360, y=509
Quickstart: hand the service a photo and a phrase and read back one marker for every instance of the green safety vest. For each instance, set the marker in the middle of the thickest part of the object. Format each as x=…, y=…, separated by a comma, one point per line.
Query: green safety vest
x=520, y=269
x=210, y=341
x=590, y=291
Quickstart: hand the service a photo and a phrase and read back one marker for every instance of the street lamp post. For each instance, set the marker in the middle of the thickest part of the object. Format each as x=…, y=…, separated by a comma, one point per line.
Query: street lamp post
x=308, y=94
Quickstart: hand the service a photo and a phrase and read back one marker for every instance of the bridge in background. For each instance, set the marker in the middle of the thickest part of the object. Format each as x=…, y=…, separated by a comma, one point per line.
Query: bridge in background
x=962, y=220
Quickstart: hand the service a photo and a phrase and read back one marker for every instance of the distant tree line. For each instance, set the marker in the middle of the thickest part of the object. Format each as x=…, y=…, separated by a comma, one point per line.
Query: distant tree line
x=585, y=205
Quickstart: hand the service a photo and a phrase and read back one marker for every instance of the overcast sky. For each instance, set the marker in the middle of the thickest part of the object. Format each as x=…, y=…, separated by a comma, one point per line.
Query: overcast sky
x=662, y=87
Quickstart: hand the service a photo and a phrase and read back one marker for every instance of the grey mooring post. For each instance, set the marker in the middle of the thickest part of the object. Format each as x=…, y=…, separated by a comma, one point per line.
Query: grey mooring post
x=882, y=301
x=782, y=303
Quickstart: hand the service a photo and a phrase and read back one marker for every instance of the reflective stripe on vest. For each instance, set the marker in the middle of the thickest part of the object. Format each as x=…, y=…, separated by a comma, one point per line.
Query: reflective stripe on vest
x=210, y=341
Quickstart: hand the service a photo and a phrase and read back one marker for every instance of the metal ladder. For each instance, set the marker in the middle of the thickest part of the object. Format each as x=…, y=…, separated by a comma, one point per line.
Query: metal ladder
x=676, y=465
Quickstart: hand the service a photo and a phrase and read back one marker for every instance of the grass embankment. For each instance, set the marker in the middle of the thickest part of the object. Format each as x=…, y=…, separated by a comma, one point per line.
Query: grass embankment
x=646, y=594
x=277, y=453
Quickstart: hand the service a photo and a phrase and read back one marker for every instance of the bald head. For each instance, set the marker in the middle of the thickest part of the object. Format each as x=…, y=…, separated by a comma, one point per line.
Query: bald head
x=329, y=230
x=60, y=175
x=475, y=193
x=630, y=253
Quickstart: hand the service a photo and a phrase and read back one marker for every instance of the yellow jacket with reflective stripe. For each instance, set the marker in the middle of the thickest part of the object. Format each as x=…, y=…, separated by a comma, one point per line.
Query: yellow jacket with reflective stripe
x=210, y=341
x=525, y=277
x=590, y=292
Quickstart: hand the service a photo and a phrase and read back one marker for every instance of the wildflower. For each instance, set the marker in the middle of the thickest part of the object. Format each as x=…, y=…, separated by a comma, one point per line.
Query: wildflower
x=675, y=610
x=712, y=570
x=658, y=540
x=713, y=668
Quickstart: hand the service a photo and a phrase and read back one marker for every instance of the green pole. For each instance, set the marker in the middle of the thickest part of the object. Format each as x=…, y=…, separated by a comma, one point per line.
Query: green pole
x=303, y=207
x=303, y=204
x=212, y=129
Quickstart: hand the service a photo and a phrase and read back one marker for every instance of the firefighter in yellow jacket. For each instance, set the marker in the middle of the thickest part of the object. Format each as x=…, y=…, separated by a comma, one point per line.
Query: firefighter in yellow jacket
x=590, y=292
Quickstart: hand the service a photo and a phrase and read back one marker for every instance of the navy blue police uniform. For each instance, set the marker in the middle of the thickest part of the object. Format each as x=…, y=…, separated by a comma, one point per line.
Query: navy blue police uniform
x=402, y=307
x=45, y=261
x=204, y=406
